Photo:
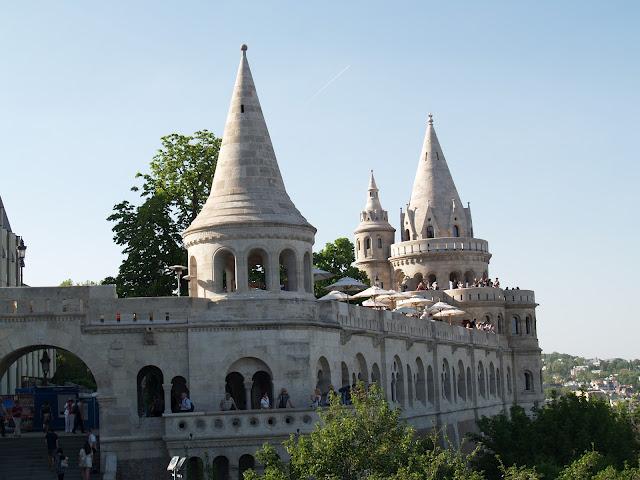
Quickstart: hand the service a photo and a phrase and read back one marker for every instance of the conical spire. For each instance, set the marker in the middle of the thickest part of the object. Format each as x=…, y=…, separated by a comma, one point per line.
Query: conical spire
x=373, y=212
x=247, y=185
x=373, y=200
x=433, y=185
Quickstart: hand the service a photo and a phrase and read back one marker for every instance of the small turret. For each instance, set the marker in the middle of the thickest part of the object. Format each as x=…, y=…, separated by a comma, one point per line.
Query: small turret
x=373, y=239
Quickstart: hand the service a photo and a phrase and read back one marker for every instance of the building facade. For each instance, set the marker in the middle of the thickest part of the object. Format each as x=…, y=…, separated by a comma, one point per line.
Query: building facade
x=252, y=325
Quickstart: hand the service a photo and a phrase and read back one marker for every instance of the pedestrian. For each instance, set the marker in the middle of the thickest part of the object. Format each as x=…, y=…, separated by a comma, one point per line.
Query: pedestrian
x=186, y=405
x=68, y=416
x=45, y=414
x=78, y=421
x=85, y=461
x=16, y=414
x=93, y=443
x=316, y=398
x=228, y=403
x=284, y=400
x=4, y=416
x=62, y=463
x=51, y=439
x=264, y=401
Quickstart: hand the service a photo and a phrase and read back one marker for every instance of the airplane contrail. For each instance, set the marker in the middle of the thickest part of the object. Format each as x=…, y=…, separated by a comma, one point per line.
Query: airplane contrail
x=326, y=85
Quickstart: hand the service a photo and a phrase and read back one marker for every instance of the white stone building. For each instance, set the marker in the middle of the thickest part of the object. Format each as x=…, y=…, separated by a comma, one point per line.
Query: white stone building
x=252, y=325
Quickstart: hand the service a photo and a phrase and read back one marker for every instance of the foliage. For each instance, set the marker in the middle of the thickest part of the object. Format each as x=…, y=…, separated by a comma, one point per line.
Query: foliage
x=70, y=283
x=557, y=435
x=172, y=195
x=337, y=257
x=366, y=441
x=70, y=369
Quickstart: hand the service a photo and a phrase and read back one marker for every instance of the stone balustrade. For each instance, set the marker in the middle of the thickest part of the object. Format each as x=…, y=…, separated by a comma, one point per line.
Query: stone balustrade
x=239, y=423
x=427, y=245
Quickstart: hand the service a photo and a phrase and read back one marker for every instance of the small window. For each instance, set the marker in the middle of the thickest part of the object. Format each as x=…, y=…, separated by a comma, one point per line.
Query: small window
x=527, y=325
x=358, y=243
x=167, y=317
x=379, y=242
x=430, y=233
x=367, y=244
x=528, y=381
x=407, y=235
x=456, y=231
x=515, y=327
x=241, y=108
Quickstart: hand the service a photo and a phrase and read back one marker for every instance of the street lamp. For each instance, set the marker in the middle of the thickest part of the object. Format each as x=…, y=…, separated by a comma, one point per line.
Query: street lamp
x=45, y=361
x=22, y=250
x=178, y=269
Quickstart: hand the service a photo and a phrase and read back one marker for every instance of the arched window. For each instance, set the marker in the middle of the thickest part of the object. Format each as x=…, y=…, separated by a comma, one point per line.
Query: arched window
x=481, y=380
x=323, y=379
x=445, y=379
x=462, y=386
x=527, y=325
x=379, y=242
x=345, y=374
x=363, y=372
x=257, y=269
x=234, y=385
x=224, y=271
x=245, y=463
x=367, y=243
x=431, y=278
x=528, y=381
x=288, y=270
x=500, y=324
x=221, y=468
x=498, y=382
x=492, y=379
x=409, y=385
x=431, y=392
x=407, y=235
x=195, y=469
x=397, y=368
x=430, y=232
x=515, y=326
x=261, y=384
x=509, y=385
x=469, y=276
x=150, y=392
x=454, y=277
x=456, y=231
x=375, y=374
x=421, y=393
x=178, y=387
x=469, y=384
x=358, y=244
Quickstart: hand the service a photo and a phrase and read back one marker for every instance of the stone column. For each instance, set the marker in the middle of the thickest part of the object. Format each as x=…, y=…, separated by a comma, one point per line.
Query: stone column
x=167, y=397
x=242, y=278
x=300, y=273
x=273, y=272
x=247, y=393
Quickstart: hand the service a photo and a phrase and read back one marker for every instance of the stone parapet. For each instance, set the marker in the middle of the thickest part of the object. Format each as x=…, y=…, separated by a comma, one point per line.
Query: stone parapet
x=435, y=245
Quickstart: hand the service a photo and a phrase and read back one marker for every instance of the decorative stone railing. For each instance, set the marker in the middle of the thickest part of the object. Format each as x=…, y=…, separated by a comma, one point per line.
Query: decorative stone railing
x=428, y=245
x=239, y=423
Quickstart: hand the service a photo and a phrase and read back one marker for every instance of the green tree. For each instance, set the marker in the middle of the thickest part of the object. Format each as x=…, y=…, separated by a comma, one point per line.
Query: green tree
x=337, y=257
x=366, y=441
x=557, y=435
x=171, y=194
x=70, y=369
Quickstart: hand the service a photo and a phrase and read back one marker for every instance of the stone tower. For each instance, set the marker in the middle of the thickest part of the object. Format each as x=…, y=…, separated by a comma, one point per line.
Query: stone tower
x=437, y=240
x=249, y=237
x=374, y=237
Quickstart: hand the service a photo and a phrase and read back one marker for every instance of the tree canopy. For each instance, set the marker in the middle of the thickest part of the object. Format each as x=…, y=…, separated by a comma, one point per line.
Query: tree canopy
x=337, y=257
x=171, y=195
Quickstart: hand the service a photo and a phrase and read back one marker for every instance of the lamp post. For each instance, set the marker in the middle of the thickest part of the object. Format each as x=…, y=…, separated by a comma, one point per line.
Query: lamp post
x=178, y=269
x=45, y=361
x=22, y=250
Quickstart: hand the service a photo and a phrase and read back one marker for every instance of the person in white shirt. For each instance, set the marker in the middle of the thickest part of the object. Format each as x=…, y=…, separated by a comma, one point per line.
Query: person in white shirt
x=185, y=404
x=93, y=443
x=264, y=401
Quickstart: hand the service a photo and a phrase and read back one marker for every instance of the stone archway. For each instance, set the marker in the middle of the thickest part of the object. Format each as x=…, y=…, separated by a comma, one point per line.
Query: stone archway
x=254, y=376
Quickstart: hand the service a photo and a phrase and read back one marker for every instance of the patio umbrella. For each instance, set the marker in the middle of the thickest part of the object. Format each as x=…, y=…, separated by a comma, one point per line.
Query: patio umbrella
x=414, y=302
x=371, y=292
x=347, y=284
x=406, y=311
x=441, y=306
x=376, y=303
x=319, y=274
x=334, y=295
x=450, y=313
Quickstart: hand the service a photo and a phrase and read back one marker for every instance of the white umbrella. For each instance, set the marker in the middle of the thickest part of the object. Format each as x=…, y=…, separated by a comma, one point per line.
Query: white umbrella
x=371, y=292
x=347, y=284
x=319, y=274
x=440, y=306
x=449, y=313
x=376, y=303
x=334, y=295
x=414, y=302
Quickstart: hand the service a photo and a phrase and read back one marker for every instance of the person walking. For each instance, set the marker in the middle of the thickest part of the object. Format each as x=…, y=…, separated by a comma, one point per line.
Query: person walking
x=77, y=420
x=93, y=443
x=16, y=413
x=45, y=415
x=62, y=463
x=51, y=439
x=85, y=461
x=68, y=416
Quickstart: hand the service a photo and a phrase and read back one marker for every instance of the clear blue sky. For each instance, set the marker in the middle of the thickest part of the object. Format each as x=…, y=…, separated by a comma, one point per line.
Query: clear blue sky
x=536, y=104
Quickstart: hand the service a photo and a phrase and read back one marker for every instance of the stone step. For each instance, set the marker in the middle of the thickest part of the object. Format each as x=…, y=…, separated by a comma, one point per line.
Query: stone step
x=25, y=458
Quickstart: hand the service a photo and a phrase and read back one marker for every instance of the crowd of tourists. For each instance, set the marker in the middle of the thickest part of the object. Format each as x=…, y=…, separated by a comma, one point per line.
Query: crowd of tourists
x=58, y=461
x=484, y=326
x=482, y=282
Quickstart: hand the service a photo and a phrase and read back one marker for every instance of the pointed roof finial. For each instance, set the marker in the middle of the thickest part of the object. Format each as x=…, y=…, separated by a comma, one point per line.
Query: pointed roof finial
x=430, y=119
x=244, y=49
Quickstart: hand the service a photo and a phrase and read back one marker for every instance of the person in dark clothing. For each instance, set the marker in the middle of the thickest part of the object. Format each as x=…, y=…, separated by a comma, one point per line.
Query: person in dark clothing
x=4, y=416
x=62, y=463
x=51, y=439
x=78, y=421
x=45, y=414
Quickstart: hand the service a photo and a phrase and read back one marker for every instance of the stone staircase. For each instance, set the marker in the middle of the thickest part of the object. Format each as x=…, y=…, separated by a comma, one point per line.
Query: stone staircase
x=26, y=458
